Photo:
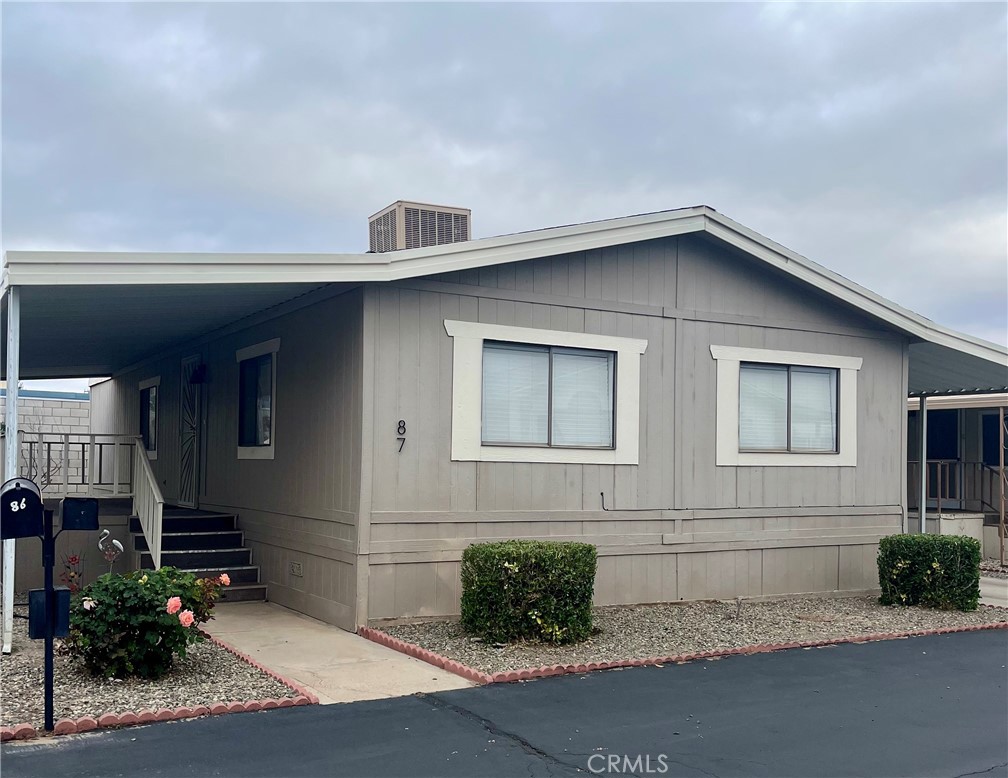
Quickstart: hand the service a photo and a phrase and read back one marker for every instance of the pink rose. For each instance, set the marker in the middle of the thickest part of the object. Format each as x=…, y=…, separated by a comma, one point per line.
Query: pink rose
x=186, y=618
x=174, y=605
x=225, y=579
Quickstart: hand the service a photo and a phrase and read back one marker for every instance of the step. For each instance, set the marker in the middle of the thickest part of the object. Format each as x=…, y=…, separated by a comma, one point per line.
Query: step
x=200, y=559
x=210, y=522
x=187, y=541
x=239, y=574
x=243, y=592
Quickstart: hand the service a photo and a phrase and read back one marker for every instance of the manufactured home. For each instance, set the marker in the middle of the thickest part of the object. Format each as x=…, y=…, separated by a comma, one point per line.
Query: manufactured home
x=720, y=416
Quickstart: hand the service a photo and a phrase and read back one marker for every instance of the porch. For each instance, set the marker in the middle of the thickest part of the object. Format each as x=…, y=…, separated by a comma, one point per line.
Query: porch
x=963, y=482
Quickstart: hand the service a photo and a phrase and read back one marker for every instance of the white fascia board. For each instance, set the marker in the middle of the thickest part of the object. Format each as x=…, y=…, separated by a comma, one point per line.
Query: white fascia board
x=849, y=292
x=54, y=268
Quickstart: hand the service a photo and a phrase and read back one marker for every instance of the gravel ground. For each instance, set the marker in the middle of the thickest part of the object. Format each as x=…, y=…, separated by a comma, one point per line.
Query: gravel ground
x=643, y=631
x=993, y=569
x=209, y=674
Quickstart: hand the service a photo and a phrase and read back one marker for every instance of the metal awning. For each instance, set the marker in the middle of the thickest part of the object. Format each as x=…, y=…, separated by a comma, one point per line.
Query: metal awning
x=92, y=331
x=941, y=370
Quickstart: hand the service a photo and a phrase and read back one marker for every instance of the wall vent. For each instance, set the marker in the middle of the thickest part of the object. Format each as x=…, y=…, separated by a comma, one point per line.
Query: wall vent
x=411, y=225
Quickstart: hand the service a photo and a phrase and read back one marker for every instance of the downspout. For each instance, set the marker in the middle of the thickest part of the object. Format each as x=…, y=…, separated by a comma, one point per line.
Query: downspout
x=11, y=452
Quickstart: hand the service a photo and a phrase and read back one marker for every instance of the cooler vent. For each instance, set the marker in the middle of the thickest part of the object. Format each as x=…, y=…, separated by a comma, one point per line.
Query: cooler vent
x=409, y=225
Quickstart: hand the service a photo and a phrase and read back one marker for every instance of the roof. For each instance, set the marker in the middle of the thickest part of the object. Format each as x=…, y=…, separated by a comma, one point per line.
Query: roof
x=48, y=394
x=943, y=360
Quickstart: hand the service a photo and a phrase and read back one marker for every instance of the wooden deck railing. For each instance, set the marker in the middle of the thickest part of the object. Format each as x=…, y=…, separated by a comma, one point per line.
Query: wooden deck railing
x=951, y=483
x=67, y=464
x=148, y=502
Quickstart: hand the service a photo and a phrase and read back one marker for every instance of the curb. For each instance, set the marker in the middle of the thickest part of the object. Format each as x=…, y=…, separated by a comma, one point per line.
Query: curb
x=411, y=649
x=546, y=671
x=146, y=716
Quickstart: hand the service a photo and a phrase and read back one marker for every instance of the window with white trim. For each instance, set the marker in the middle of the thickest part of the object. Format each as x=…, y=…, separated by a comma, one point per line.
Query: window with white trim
x=257, y=370
x=521, y=394
x=547, y=396
x=149, y=415
x=788, y=408
x=785, y=408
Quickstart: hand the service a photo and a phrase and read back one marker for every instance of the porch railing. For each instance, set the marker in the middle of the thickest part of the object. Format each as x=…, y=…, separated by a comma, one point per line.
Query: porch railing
x=67, y=464
x=148, y=502
x=952, y=483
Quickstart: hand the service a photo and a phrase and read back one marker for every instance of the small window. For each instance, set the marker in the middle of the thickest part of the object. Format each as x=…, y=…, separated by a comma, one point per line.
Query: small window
x=255, y=401
x=148, y=416
x=788, y=408
x=547, y=396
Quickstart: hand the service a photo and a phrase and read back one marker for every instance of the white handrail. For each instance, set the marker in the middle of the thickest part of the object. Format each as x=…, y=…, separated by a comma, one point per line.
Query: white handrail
x=148, y=502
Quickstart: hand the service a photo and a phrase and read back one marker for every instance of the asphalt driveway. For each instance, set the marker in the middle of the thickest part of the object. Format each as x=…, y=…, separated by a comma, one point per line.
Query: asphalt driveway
x=917, y=707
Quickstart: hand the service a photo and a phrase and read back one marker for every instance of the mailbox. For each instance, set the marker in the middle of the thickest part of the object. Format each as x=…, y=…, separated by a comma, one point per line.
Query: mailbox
x=80, y=513
x=20, y=509
x=37, y=613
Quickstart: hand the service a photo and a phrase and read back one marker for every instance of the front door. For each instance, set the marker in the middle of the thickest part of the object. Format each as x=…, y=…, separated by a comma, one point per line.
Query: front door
x=189, y=431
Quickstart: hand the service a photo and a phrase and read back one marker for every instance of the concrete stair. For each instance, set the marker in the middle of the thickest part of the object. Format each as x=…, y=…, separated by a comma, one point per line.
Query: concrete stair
x=205, y=544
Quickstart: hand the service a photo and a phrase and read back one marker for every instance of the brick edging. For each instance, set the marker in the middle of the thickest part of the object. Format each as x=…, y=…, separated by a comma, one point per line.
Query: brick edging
x=146, y=716
x=411, y=649
x=545, y=671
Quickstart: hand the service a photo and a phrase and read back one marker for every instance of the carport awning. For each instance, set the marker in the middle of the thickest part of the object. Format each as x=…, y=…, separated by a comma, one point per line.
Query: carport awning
x=936, y=369
x=92, y=331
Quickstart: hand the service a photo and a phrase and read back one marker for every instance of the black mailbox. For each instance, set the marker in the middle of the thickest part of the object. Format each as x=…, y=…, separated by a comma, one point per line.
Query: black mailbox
x=37, y=614
x=80, y=513
x=20, y=509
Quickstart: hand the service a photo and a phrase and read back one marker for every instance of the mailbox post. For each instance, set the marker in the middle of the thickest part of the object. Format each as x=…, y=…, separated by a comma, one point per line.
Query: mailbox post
x=24, y=515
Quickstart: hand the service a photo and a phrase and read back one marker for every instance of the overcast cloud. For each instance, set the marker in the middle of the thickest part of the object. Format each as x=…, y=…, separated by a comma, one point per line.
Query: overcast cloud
x=869, y=137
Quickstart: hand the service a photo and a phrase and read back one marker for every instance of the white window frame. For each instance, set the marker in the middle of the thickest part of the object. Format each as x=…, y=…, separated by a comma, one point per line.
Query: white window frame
x=251, y=352
x=727, y=453
x=467, y=395
x=147, y=383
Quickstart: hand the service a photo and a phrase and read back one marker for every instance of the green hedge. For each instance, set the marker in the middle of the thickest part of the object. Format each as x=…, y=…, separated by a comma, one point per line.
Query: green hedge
x=937, y=571
x=528, y=589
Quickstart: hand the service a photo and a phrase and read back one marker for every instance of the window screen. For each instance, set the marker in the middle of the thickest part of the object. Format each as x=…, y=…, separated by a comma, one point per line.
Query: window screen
x=785, y=408
x=542, y=396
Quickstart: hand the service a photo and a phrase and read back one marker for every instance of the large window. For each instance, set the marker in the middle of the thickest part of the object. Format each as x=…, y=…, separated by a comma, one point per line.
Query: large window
x=522, y=394
x=257, y=371
x=788, y=408
x=149, y=414
x=547, y=396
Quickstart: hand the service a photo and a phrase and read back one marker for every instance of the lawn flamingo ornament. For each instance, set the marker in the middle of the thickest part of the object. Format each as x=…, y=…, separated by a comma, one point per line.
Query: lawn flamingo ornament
x=112, y=550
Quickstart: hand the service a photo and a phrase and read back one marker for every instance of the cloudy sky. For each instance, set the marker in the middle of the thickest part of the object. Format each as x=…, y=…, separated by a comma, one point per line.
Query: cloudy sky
x=869, y=137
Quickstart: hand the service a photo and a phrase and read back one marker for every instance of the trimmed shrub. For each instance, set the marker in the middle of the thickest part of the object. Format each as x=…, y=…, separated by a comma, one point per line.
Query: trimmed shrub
x=136, y=624
x=936, y=571
x=528, y=589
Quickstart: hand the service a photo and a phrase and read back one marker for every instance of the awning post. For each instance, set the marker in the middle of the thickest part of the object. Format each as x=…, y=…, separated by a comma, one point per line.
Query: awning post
x=922, y=429
x=11, y=452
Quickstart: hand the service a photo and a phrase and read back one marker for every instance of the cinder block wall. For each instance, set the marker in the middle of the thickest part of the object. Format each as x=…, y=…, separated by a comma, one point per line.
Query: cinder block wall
x=49, y=416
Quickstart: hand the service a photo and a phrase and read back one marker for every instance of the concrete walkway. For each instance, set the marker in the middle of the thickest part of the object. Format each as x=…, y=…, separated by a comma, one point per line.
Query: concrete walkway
x=994, y=591
x=336, y=665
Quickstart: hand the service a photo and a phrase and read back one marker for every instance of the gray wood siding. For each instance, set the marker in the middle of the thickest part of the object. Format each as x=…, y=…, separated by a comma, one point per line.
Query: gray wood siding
x=682, y=295
x=302, y=505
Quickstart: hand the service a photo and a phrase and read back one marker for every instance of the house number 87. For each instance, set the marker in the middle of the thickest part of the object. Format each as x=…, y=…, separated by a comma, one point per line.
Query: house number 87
x=401, y=430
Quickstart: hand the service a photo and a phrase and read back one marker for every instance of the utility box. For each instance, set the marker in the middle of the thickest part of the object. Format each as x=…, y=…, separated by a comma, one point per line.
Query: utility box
x=37, y=613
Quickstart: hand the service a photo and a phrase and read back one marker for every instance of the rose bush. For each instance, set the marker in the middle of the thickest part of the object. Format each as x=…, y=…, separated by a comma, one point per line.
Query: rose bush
x=137, y=623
